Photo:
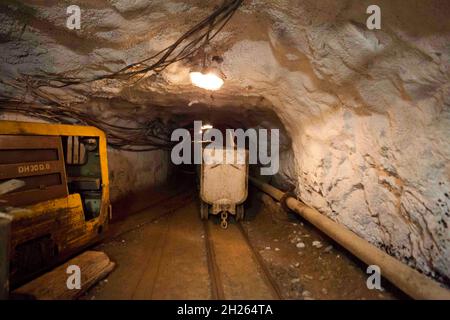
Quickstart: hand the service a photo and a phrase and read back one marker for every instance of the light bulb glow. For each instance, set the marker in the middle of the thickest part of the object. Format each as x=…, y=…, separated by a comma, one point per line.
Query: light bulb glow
x=207, y=127
x=208, y=81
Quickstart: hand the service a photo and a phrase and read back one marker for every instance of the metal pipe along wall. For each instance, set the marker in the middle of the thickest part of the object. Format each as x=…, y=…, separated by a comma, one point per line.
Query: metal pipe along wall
x=410, y=281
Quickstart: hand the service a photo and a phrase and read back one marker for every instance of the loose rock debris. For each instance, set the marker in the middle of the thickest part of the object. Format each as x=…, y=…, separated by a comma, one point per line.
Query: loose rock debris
x=308, y=270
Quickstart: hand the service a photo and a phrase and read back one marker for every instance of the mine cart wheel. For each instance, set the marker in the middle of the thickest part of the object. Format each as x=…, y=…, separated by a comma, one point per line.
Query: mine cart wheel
x=203, y=210
x=240, y=212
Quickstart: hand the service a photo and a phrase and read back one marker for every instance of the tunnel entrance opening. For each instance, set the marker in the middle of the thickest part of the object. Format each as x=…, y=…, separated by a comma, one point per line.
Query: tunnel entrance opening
x=222, y=116
x=236, y=127
x=176, y=113
x=228, y=120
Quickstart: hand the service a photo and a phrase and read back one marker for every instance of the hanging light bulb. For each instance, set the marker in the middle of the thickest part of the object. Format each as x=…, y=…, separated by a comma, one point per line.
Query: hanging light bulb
x=206, y=74
x=207, y=79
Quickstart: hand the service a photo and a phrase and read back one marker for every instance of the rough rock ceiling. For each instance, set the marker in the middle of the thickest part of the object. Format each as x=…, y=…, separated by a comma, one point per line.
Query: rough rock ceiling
x=368, y=112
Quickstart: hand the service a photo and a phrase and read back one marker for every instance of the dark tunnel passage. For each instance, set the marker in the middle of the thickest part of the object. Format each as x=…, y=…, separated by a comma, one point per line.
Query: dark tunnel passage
x=222, y=119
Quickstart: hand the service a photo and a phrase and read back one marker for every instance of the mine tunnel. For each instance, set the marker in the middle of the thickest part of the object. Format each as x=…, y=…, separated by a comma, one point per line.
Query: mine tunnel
x=224, y=150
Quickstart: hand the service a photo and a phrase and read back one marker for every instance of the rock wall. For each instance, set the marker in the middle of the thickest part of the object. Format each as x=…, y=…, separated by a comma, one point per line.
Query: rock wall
x=368, y=112
x=131, y=172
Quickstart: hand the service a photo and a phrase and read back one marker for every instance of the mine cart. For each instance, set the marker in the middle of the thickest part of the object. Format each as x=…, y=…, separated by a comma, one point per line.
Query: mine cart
x=223, y=183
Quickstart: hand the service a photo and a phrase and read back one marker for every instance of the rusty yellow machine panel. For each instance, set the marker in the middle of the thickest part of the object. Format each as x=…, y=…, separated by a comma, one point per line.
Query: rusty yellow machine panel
x=60, y=200
x=38, y=162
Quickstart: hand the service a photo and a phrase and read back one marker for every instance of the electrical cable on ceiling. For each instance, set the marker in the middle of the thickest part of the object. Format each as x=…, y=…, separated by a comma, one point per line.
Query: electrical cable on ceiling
x=195, y=41
x=145, y=138
x=152, y=136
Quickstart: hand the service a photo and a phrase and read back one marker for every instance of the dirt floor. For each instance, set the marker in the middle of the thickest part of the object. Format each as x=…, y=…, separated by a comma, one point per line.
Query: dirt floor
x=305, y=262
x=161, y=253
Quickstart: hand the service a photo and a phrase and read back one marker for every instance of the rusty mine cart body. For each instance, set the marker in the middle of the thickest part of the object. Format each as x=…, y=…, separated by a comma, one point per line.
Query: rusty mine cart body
x=63, y=204
x=223, y=183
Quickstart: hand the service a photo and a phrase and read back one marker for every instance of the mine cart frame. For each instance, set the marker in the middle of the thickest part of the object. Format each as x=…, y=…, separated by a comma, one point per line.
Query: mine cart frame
x=53, y=220
x=222, y=205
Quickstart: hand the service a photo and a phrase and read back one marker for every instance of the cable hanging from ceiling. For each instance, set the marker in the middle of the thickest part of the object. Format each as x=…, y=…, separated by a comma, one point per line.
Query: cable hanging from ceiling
x=150, y=136
x=190, y=43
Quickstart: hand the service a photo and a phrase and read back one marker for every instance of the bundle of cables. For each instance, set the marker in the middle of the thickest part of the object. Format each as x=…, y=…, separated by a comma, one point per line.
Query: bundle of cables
x=151, y=135
x=144, y=137
x=185, y=47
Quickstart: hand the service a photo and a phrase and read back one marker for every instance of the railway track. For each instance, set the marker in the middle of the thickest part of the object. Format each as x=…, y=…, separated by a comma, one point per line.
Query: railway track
x=167, y=252
x=215, y=269
x=270, y=281
x=215, y=273
x=217, y=292
x=161, y=255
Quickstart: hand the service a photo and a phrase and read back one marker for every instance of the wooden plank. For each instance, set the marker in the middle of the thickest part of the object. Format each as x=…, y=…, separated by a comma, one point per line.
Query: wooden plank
x=94, y=266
